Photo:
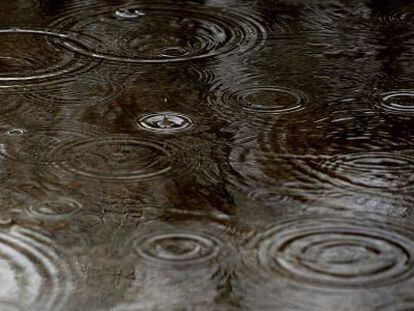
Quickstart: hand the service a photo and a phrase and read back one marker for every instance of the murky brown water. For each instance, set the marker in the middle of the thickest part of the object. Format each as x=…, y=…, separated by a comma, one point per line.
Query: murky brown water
x=207, y=155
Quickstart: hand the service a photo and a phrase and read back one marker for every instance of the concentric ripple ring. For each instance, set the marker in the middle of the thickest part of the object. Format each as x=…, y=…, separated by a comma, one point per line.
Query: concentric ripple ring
x=161, y=33
x=177, y=248
x=336, y=253
x=29, y=70
x=116, y=158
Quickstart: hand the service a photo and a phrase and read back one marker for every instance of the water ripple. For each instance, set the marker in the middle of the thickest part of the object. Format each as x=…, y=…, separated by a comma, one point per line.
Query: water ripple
x=31, y=271
x=258, y=100
x=117, y=158
x=55, y=208
x=336, y=253
x=161, y=33
x=398, y=102
x=176, y=248
x=28, y=58
x=36, y=145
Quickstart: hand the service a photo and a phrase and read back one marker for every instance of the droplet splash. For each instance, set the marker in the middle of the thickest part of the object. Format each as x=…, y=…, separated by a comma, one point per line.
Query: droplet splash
x=126, y=13
x=164, y=122
x=16, y=132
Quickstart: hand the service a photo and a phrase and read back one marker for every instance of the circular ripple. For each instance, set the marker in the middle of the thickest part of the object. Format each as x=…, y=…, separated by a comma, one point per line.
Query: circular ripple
x=116, y=158
x=161, y=33
x=260, y=100
x=27, y=56
x=79, y=92
x=32, y=271
x=177, y=248
x=337, y=133
x=269, y=100
x=385, y=170
x=336, y=253
x=401, y=102
x=36, y=146
x=55, y=208
x=164, y=122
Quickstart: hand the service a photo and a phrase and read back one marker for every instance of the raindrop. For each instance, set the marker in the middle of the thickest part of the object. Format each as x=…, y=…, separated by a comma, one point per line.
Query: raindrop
x=16, y=132
x=164, y=122
x=125, y=13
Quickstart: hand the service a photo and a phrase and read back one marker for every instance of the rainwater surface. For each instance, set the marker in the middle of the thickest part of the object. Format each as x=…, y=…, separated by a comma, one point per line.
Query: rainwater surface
x=206, y=155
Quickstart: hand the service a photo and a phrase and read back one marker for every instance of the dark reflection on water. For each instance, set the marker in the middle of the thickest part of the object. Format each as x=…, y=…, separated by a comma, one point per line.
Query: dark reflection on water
x=206, y=155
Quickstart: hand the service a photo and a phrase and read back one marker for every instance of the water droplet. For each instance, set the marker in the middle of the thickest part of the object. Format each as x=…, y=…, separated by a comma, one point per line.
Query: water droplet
x=336, y=253
x=125, y=13
x=164, y=122
x=16, y=132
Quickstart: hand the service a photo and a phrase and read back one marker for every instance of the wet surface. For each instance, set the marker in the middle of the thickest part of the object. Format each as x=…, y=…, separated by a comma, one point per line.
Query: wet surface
x=206, y=155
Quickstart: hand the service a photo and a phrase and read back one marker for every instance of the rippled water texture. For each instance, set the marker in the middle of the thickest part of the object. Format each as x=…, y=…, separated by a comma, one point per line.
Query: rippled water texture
x=206, y=155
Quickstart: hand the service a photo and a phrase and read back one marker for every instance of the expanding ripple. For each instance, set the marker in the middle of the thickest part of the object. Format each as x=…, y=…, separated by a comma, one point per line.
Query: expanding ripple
x=117, y=158
x=259, y=100
x=35, y=145
x=164, y=122
x=27, y=56
x=392, y=171
x=55, y=208
x=79, y=92
x=177, y=248
x=336, y=253
x=13, y=103
x=160, y=33
x=398, y=102
x=31, y=272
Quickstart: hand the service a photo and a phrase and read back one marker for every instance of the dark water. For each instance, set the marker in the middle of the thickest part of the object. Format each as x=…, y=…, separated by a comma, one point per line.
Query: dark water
x=207, y=155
